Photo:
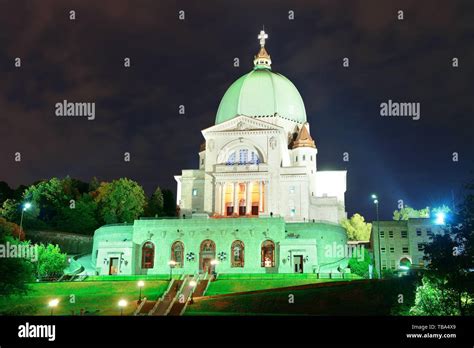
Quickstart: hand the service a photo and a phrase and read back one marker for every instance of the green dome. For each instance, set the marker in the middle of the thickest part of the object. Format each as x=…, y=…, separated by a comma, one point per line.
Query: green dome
x=262, y=93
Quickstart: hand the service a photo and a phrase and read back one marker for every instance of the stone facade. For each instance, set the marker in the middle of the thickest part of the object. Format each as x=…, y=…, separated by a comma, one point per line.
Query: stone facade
x=297, y=247
x=401, y=241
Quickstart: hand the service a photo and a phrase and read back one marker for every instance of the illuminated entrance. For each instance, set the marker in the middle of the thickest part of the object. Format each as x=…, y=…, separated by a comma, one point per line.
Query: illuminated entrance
x=207, y=253
x=298, y=263
x=240, y=198
x=113, y=265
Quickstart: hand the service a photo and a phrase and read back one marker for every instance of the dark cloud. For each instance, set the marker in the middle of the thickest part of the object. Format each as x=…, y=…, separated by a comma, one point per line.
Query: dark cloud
x=191, y=63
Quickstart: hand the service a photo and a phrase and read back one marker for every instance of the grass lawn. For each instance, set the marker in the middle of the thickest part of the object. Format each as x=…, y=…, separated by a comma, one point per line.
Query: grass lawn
x=95, y=297
x=228, y=286
x=342, y=298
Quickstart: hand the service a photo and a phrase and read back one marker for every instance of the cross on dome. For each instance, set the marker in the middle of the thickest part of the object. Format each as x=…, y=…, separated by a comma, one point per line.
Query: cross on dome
x=262, y=59
x=262, y=36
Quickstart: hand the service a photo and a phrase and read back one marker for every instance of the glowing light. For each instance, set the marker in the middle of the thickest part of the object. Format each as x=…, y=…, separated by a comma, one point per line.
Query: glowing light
x=26, y=206
x=440, y=218
x=122, y=303
x=172, y=263
x=192, y=283
x=53, y=303
x=141, y=283
x=374, y=196
x=376, y=201
x=404, y=268
x=214, y=262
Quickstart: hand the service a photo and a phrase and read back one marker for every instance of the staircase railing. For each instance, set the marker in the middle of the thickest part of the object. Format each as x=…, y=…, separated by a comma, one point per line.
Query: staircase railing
x=140, y=306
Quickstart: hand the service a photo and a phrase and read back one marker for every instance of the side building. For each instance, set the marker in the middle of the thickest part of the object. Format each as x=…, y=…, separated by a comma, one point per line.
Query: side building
x=398, y=245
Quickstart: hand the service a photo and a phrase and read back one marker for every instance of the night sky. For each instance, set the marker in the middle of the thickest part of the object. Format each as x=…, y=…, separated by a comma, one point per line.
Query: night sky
x=190, y=62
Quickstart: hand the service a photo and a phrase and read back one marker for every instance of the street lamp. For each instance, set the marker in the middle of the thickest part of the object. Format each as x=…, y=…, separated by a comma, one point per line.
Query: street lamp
x=26, y=206
x=172, y=263
x=376, y=202
x=140, y=284
x=122, y=304
x=53, y=304
x=192, y=284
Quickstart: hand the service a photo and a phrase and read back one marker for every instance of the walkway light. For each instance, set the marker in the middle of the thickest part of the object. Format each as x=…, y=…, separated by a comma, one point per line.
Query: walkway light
x=53, y=304
x=172, y=263
x=122, y=304
x=192, y=283
x=140, y=284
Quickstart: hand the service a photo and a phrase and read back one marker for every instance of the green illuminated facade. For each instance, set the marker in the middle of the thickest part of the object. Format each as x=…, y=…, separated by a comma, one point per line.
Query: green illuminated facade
x=240, y=245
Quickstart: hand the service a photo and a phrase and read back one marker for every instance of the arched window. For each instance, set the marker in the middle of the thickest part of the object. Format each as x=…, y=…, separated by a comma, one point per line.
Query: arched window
x=177, y=254
x=243, y=156
x=268, y=254
x=148, y=255
x=237, y=254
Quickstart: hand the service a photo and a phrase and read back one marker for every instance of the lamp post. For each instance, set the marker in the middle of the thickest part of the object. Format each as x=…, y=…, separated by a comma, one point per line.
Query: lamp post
x=376, y=202
x=122, y=304
x=192, y=284
x=214, y=263
x=172, y=263
x=26, y=206
x=53, y=304
x=140, y=284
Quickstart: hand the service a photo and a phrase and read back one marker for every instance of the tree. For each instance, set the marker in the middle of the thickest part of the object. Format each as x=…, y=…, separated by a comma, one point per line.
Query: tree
x=51, y=262
x=450, y=257
x=10, y=210
x=169, y=203
x=15, y=272
x=432, y=298
x=122, y=200
x=11, y=229
x=357, y=228
x=360, y=265
x=155, y=204
x=80, y=217
x=49, y=197
x=5, y=192
x=408, y=212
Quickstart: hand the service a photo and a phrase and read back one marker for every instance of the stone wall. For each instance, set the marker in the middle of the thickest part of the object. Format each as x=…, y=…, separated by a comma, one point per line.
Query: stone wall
x=70, y=243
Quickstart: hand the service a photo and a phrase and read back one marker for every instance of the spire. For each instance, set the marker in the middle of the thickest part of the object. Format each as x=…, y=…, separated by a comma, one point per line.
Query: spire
x=303, y=139
x=262, y=60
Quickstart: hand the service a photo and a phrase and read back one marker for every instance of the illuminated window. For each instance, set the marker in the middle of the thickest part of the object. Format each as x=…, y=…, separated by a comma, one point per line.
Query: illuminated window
x=237, y=252
x=243, y=156
x=148, y=255
x=268, y=254
x=195, y=192
x=177, y=254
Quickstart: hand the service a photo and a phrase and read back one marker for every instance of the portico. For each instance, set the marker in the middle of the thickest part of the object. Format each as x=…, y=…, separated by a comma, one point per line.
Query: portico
x=240, y=198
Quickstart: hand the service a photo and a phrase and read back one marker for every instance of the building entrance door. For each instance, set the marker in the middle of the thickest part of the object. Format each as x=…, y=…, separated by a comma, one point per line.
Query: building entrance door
x=298, y=262
x=113, y=265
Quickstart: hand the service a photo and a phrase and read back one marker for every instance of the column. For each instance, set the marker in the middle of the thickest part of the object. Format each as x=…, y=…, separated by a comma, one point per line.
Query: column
x=265, y=199
x=223, y=189
x=248, y=198
x=217, y=198
x=260, y=199
x=236, y=197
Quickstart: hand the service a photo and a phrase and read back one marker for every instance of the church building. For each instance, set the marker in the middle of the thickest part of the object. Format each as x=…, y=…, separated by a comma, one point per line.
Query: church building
x=256, y=203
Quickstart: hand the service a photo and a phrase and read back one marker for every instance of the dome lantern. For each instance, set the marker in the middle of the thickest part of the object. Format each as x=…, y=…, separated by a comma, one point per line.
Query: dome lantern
x=262, y=60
